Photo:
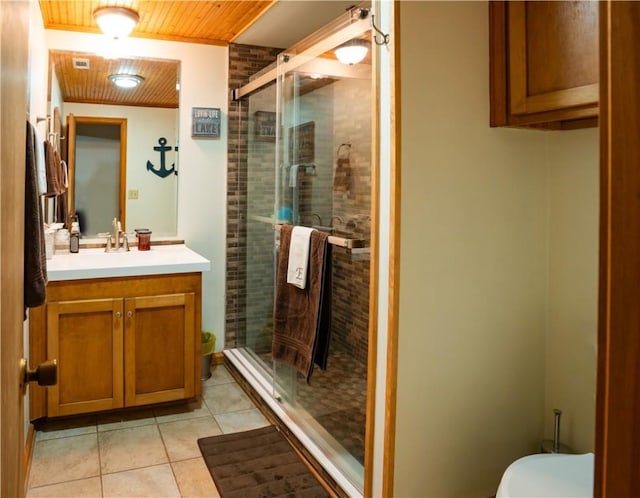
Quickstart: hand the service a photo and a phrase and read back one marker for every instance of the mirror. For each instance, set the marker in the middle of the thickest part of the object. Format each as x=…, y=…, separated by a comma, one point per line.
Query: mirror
x=146, y=170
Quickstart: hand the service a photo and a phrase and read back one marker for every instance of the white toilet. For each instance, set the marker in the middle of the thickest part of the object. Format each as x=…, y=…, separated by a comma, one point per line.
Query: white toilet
x=551, y=475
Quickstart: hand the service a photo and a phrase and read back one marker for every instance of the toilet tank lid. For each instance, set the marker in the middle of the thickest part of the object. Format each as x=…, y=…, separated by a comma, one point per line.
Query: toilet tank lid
x=547, y=476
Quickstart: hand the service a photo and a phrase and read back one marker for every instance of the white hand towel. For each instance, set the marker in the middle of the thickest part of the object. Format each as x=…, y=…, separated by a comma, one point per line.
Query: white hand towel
x=299, y=256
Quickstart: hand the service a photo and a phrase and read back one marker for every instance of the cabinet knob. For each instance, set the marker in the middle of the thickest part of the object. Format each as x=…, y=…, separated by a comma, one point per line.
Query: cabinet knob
x=129, y=314
x=118, y=314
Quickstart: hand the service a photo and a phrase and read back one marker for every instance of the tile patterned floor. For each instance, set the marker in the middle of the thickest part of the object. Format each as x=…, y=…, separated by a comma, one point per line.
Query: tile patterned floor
x=144, y=453
x=336, y=399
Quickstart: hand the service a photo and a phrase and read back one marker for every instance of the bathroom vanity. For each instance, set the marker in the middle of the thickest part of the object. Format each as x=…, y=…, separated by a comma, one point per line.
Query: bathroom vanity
x=124, y=328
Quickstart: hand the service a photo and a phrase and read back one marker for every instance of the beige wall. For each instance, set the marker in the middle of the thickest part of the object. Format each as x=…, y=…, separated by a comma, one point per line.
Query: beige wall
x=570, y=359
x=497, y=309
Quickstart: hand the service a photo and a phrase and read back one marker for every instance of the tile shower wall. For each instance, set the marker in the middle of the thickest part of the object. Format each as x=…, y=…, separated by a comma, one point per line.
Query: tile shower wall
x=244, y=61
x=351, y=214
x=260, y=262
x=341, y=112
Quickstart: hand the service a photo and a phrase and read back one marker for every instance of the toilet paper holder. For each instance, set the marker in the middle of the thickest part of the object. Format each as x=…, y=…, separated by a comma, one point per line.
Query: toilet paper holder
x=554, y=445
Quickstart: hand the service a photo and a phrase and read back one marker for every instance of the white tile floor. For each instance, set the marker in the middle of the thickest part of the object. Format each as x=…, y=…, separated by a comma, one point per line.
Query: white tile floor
x=145, y=453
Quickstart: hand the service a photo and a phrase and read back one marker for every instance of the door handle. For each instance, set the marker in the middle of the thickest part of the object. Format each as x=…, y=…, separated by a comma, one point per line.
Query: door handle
x=45, y=374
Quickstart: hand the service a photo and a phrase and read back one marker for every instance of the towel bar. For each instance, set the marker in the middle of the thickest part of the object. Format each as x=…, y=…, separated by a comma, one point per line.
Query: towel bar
x=336, y=241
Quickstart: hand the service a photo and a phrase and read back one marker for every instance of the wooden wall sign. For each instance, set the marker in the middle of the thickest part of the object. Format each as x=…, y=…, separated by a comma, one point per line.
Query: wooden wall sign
x=205, y=122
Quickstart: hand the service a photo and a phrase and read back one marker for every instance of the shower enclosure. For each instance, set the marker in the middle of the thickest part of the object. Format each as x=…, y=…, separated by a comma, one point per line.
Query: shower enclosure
x=305, y=134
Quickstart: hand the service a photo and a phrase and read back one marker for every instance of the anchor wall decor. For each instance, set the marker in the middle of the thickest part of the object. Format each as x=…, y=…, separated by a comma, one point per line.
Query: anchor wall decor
x=162, y=172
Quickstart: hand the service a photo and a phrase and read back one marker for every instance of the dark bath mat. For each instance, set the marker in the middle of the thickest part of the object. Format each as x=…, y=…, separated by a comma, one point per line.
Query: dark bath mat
x=258, y=464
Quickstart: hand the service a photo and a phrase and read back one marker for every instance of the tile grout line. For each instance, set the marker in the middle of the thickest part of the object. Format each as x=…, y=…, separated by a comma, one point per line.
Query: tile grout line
x=99, y=459
x=97, y=432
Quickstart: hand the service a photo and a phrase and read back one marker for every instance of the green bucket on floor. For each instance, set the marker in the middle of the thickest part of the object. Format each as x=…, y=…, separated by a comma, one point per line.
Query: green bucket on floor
x=208, y=346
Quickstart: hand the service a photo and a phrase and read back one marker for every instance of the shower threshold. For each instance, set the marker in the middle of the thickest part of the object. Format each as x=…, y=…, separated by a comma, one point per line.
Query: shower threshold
x=327, y=455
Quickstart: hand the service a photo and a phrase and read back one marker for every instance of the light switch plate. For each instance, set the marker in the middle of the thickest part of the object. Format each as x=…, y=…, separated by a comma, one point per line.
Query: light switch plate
x=133, y=194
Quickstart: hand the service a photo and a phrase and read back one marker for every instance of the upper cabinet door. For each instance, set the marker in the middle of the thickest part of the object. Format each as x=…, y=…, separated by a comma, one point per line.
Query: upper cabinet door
x=544, y=63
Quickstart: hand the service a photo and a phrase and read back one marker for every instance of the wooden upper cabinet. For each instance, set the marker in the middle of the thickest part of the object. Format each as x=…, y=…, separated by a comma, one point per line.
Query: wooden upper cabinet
x=544, y=63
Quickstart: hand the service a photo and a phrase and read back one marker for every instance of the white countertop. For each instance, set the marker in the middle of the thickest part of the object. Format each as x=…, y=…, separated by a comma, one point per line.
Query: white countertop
x=96, y=263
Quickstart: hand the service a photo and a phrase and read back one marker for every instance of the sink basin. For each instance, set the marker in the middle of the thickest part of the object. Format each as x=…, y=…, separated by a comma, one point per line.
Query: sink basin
x=96, y=263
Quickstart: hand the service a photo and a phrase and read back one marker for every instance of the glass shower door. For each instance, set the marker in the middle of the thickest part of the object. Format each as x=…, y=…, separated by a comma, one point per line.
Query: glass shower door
x=259, y=133
x=325, y=125
x=305, y=151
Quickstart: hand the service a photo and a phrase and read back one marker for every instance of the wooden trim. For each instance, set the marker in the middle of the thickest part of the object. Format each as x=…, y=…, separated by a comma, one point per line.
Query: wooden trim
x=498, y=88
x=122, y=189
x=602, y=380
x=218, y=358
x=28, y=453
x=372, y=348
x=617, y=442
x=37, y=355
x=72, y=126
x=517, y=57
x=394, y=266
x=71, y=162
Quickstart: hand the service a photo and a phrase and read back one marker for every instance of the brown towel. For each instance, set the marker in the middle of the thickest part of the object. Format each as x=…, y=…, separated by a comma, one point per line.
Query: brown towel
x=342, y=177
x=302, y=317
x=35, y=263
x=53, y=166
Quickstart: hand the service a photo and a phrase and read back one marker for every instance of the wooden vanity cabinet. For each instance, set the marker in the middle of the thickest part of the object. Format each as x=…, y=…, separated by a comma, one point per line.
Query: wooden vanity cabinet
x=544, y=63
x=119, y=342
x=86, y=338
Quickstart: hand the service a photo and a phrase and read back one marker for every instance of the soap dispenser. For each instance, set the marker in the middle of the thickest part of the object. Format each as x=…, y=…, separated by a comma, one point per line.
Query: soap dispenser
x=74, y=236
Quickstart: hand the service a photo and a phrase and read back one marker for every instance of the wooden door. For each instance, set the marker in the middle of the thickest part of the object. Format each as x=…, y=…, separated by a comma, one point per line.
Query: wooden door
x=617, y=464
x=14, y=43
x=86, y=338
x=98, y=127
x=159, y=349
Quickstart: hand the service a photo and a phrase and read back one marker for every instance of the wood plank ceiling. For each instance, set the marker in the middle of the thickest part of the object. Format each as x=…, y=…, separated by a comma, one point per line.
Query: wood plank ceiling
x=208, y=22
x=215, y=23
x=90, y=82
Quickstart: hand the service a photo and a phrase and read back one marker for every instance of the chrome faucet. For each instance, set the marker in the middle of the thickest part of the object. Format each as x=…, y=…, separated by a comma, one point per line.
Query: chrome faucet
x=117, y=240
x=117, y=230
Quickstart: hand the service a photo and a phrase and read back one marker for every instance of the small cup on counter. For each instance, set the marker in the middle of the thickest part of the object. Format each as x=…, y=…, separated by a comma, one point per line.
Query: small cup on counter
x=61, y=241
x=144, y=238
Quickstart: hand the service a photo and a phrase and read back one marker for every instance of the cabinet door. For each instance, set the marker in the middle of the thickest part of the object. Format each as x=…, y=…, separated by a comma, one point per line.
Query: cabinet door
x=553, y=55
x=544, y=64
x=86, y=338
x=159, y=349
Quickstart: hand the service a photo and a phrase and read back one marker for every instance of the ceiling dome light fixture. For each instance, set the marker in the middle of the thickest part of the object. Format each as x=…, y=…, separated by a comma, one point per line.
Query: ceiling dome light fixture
x=116, y=22
x=352, y=52
x=126, y=80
